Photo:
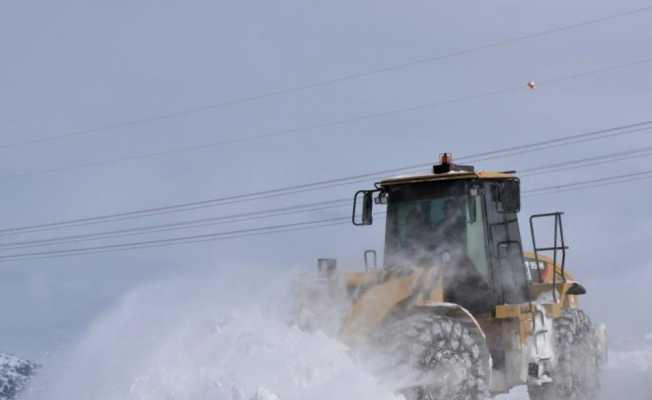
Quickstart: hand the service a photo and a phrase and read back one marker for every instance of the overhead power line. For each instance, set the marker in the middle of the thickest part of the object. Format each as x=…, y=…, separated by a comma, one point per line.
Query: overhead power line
x=325, y=124
x=592, y=182
x=327, y=82
x=184, y=239
x=195, y=223
x=311, y=207
x=589, y=161
x=258, y=231
x=329, y=183
x=594, y=185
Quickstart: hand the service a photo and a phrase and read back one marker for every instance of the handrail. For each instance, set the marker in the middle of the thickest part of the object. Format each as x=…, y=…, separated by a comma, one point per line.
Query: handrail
x=558, y=236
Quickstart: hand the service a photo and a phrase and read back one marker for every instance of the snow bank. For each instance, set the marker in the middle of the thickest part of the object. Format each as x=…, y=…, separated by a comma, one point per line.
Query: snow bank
x=14, y=375
x=637, y=359
x=219, y=337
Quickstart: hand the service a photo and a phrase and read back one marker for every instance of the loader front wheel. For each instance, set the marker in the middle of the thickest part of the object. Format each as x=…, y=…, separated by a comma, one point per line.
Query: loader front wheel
x=576, y=374
x=445, y=358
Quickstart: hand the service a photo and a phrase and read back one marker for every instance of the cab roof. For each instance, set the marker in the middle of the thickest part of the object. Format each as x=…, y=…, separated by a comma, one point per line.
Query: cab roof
x=453, y=174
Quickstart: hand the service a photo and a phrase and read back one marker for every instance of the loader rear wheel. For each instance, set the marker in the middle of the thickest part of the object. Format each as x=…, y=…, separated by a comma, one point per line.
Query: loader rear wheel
x=447, y=358
x=576, y=375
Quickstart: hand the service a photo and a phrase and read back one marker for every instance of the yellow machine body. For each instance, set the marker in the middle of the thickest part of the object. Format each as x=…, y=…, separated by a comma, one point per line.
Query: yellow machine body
x=361, y=302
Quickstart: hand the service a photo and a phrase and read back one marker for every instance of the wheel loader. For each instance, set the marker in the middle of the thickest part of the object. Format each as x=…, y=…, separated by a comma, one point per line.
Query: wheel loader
x=458, y=309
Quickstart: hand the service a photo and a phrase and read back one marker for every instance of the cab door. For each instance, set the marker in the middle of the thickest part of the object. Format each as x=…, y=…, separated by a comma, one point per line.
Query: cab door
x=509, y=276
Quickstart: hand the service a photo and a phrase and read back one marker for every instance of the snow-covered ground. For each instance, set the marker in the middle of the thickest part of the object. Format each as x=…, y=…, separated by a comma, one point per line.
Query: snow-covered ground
x=635, y=356
x=629, y=370
x=206, y=339
x=228, y=338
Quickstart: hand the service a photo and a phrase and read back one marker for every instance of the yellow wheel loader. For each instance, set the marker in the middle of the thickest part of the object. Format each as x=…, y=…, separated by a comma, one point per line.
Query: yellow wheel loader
x=458, y=309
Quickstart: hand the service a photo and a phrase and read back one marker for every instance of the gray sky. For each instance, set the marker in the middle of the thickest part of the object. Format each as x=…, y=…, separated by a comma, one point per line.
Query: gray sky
x=73, y=65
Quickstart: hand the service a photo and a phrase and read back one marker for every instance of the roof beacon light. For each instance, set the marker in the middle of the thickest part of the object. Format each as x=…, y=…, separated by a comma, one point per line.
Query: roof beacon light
x=445, y=158
x=446, y=165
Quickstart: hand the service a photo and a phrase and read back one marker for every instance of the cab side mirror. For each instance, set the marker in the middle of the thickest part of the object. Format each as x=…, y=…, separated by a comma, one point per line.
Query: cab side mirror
x=366, y=218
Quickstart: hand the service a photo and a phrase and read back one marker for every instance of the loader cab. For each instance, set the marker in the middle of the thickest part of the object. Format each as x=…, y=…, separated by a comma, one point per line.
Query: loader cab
x=464, y=226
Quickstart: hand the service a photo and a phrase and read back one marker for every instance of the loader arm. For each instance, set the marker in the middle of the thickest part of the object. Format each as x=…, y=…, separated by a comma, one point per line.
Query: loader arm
x=377, y=302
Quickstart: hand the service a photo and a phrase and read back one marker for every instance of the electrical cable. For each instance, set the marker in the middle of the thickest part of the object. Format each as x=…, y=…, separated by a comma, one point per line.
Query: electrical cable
x=578, y=185
x=202, y=222
x=329, y=183
x=300, y=208
x=324, y=83
x=319, y=126
x=277, y=228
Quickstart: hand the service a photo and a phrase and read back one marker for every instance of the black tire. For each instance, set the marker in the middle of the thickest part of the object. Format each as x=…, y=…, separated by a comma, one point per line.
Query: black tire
x=447, y=358
x=576, y=374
